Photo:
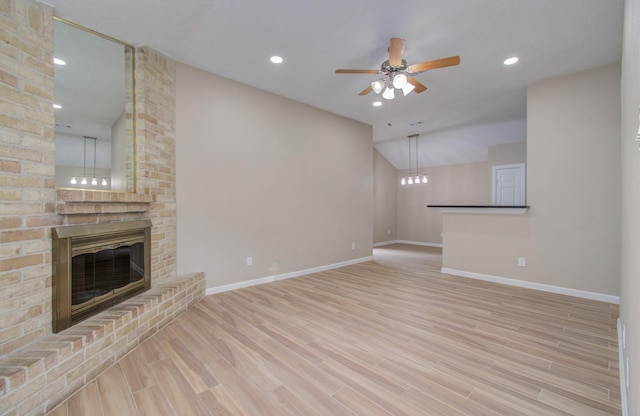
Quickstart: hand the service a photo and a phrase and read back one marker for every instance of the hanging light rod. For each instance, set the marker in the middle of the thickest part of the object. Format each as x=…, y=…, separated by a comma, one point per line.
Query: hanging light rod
x=94, y=180
x=418, y=177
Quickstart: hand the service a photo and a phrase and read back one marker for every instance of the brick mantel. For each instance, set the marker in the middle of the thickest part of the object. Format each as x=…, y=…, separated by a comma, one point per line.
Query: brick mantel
x=77, y=201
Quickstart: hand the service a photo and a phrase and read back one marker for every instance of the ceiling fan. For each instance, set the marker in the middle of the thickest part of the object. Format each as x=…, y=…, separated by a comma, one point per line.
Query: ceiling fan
x=397, y=75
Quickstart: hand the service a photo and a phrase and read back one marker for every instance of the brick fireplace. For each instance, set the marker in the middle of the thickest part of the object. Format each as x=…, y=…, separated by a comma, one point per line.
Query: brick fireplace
x=39, y=368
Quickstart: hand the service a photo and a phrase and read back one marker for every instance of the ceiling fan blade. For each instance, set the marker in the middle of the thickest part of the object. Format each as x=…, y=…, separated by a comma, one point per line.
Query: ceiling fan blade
x=396, y=50
x=418, y=87
x=357, y=71
x=366, y=90
x=438, y=63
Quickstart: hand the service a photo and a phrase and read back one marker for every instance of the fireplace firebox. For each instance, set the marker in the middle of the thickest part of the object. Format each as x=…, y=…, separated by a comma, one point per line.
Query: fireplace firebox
x=97, y=266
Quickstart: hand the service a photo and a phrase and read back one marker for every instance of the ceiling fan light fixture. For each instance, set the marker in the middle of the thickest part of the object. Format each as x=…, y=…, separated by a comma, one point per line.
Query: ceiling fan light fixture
x=407, y=88
x=399, y=81
x=378, y=85
x=397, y=74
x=388, y=93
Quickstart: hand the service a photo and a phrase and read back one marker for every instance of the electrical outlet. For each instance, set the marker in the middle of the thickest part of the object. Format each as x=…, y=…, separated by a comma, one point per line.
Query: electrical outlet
x=353, y=246
x=389, y=231
x=522, y=262
x=249, y=261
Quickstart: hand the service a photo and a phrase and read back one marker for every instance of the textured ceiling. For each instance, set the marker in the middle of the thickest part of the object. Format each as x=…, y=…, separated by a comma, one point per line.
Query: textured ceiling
x=478, y=103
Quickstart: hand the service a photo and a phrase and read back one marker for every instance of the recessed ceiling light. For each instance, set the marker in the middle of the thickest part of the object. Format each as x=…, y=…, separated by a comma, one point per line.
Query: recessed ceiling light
x=377, y=103
x=59, y=61
x=511, y=61
x=57, y=106
x=276, y=59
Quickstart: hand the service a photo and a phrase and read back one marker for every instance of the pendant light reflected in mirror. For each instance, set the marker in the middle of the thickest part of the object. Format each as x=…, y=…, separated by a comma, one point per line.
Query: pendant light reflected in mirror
x=84, y=179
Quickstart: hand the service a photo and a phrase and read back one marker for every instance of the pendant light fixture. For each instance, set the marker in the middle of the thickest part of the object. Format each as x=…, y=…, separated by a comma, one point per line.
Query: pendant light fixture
x=94, y=179
x=417, y=177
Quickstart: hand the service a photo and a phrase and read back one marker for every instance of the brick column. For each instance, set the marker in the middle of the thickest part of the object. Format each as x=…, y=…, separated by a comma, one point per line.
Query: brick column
x=27, y=153
x=155, y=155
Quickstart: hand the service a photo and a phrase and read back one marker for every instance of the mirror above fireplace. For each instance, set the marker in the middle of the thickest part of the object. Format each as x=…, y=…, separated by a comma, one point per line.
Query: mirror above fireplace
x=93, y=99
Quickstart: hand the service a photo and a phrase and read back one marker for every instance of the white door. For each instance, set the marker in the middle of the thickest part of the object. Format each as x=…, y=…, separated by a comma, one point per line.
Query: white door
x=508, y=184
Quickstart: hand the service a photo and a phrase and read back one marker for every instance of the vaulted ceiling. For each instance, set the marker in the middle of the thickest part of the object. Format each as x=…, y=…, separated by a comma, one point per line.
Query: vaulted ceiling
x=465, y=108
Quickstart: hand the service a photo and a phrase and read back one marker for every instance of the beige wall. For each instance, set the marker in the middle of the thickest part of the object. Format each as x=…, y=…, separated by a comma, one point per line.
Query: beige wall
x=385, y=190
x=571, y=235
x=630, y=281
x=574, y=178
x=448, y=185
x=505, y=154
x=265, y=177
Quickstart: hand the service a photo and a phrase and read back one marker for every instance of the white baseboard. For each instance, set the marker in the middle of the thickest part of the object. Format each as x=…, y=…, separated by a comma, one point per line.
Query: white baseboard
x=275, y=278
x=419, y=243
x=537, y=286
x=623, y=372
x=415, y=243
x=384, y=243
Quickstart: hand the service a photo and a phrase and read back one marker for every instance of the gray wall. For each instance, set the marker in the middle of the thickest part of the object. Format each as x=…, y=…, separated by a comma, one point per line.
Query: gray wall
x=385, y=199
x=262, y=176
x=630, y=281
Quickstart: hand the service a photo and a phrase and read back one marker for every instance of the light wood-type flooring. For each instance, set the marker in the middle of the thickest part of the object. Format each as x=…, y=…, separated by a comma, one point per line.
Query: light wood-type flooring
x=392, y=336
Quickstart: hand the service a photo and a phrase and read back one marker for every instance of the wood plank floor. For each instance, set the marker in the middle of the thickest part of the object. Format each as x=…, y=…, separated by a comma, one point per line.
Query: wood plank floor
x=391, y=336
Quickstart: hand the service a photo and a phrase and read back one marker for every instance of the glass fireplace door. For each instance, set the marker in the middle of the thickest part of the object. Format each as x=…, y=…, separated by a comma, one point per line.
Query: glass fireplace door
x=99, y=274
